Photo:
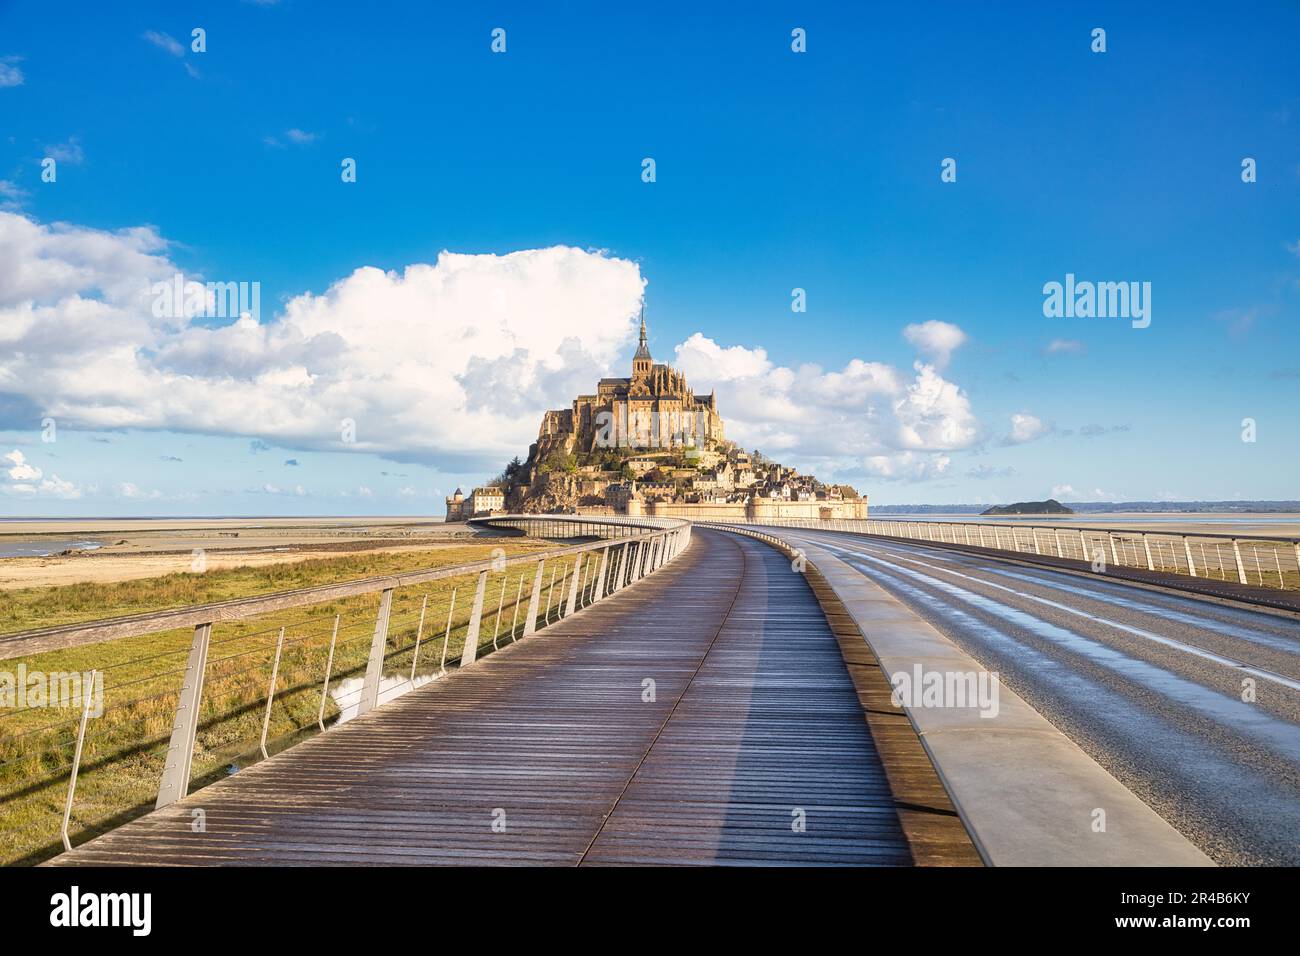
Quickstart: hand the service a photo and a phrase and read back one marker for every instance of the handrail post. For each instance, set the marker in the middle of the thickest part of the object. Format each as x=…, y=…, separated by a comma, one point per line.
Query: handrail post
x=446, y=638
x=419, y=632
x=534, y=599
x=599, y=592
x=586, y=573
x=519, y=594
x=616, y=571
x=375, y=665
x=470, y=651
x=270, y=693
x=1241, y=567
x=180, y=750
x=329, y=666
x=89, y=695
x=572, y=604
x=550, y=591
x=1187, y=550
x=501, y=603
x=1114, y=555
x=1146, y=546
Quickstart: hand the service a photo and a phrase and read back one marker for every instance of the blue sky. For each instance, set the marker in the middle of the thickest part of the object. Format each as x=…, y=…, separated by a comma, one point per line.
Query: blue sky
x=775, y=170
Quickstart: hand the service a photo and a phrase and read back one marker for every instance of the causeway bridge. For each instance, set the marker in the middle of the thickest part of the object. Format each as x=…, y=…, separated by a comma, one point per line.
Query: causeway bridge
x=658, y=692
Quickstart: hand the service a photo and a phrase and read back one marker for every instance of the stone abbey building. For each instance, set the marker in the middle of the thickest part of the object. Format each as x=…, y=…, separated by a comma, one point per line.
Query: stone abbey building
x=654, y=408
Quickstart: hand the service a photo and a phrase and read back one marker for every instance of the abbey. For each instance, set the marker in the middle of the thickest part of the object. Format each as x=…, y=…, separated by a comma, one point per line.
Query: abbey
x=654, y=408
x=647, y=444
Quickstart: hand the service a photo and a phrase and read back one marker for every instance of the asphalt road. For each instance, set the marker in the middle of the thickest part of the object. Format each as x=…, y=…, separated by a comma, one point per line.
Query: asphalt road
x=1150, y=684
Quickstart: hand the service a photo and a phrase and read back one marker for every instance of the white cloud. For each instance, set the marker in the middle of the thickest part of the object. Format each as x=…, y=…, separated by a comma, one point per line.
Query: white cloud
x=10, y=74
x=69, y=152
x=164, y=41
x=296, y=136
x=19, y=469
x=1068, y=493
x=907, y=466
x=449, y=363
x=868, y=418
x=129, y=489
x=935, y=340
x=11, y=195
x=27, y=480
x=1026, y=428
x=1064, y=347
x=55, y=487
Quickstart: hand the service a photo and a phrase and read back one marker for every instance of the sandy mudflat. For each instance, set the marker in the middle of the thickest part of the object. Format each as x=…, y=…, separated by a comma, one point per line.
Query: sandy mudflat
x=143, y=548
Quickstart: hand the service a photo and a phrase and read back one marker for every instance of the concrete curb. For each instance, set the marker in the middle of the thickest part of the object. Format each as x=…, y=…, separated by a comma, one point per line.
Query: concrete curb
x=1026, y=792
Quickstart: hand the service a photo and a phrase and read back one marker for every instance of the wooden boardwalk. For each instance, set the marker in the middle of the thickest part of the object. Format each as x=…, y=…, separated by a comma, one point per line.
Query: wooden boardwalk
x=555, y=751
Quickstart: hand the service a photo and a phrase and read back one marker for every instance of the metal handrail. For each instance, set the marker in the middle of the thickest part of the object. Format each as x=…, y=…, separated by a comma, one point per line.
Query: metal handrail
x=623, y=561
x=134, y=625
x=1149, y=549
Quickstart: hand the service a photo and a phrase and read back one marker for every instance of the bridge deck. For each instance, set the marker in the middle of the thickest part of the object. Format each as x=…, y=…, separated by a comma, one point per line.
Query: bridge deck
x=754, y=720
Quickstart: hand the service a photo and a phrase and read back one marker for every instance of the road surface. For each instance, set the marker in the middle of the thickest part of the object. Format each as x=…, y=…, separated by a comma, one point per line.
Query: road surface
x=1150, y=684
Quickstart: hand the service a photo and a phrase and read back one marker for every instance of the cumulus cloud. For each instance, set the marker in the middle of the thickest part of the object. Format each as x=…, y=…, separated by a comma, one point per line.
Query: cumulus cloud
x=448, y=363
x=867, y=418
x=19, y=469
x=1026, y=428
x=935, y=340
x=21, y=478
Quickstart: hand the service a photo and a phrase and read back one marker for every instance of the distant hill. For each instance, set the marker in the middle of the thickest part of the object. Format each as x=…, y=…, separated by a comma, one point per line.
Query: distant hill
x=1049, y=507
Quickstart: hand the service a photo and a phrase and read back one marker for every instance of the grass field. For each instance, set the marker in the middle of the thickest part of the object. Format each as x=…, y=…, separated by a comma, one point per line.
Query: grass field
x=125, y=748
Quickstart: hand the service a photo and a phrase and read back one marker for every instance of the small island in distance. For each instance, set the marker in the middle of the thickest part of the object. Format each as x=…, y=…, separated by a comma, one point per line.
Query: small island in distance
x=1049, y=507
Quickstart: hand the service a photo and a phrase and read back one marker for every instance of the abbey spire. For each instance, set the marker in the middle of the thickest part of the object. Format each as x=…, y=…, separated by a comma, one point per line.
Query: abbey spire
x=641, y=361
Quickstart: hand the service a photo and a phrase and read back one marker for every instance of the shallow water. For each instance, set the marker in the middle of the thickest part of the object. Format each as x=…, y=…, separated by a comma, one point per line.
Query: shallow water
x=44, y=547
